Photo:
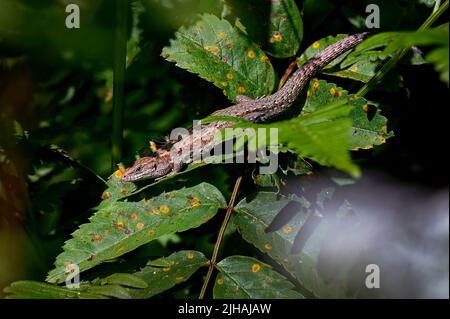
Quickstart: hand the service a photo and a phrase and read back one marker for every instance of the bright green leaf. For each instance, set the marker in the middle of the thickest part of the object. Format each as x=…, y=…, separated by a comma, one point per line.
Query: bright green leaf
x=120, y=227
x=365, y=132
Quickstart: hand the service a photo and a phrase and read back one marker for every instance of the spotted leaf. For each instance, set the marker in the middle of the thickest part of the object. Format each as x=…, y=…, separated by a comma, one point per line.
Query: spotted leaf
x=369, y=127
x=122, y=226
x=223, y=55
x=255, y=214
x=243, y=277
x=275, y=24
x=164, y=273
x=359, y=67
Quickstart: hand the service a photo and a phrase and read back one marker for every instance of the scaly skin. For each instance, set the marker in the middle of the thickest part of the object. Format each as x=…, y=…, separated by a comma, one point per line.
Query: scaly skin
x=168, y=162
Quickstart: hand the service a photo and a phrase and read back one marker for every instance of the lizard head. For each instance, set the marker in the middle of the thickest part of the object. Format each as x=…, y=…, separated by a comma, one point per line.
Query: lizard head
x=147, y=167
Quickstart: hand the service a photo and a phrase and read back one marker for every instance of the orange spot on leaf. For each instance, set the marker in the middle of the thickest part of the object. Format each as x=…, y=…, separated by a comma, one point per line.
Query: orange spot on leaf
x=256, y=267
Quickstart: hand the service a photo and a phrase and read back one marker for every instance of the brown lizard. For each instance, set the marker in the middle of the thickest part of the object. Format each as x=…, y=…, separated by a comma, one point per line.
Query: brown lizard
x=167, y=162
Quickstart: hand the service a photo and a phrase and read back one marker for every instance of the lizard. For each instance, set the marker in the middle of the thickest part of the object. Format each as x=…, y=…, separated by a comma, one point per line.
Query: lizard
x=171, y=161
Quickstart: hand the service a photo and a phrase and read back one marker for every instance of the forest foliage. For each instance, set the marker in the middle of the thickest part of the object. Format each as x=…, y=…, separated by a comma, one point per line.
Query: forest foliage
x=186, y=59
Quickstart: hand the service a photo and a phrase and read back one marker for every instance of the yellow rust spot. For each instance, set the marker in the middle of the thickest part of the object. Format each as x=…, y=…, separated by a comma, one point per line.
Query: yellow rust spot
x=256, y=267
x=365, y=107
x=268, y=246
x=206, y=218
x=105, y=232
x=264, y=58
x=384, y=129
x=220, y=281
x=147, y=201
x=278, y=37
x=139, y=226
x=229, y=44
x=316, y=45
x=133, y=216
x=190, y=255
x=118, y=173
x=315, y=85
x=151, y=232
x=164, y=209
x=212, y=48
x=354, y=68
x=221, y=35
x=241, y=89
x=224, y=83
x=308, y=93
x=106, y=195
x=119, y=247
x=96, y=237
x=251, y=54
x=229, y=76
x=381, y=140
x=224, y=92
x=333, y=91
x=271, y=40
x=178, y=278
x=287, y=229
x=119, y=224
x=195, y=202
x=166, y=269
x=153, y=146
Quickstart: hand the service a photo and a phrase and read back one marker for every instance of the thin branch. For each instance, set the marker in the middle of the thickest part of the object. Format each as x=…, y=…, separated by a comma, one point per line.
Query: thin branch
x=287, y=73
x=213, y=261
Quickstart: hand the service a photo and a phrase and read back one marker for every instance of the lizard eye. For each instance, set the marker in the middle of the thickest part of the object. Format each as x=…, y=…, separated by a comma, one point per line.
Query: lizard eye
x=138, y=169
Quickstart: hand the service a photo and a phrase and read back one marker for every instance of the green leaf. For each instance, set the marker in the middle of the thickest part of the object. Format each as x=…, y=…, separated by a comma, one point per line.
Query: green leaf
x=365, y=133
x=275, y=24
x=157, y=276
x=350, y=65
x=243, y=277
x=323, y=136
x=223, y=55
x=27, y=289
x=127, y=280
x=119, y=227
x=255, y=214
x=436, y=37
x=164, y=273
x=318, y=46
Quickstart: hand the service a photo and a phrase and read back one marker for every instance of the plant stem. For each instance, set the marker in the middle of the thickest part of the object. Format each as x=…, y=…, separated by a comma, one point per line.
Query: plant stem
x=397, y=57
x=287, y=73
x=120, y=54
x=212, y=263
x=436, y=5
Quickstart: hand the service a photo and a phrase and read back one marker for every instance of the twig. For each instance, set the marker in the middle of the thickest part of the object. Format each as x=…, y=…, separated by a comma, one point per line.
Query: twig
x=287, y=73
x=212, y=263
